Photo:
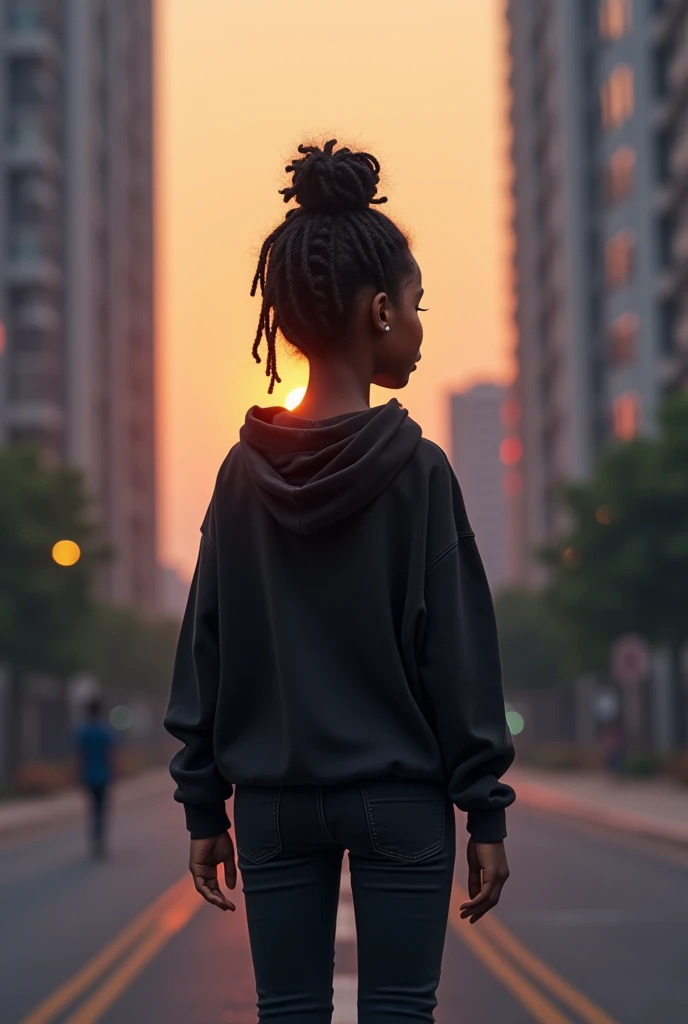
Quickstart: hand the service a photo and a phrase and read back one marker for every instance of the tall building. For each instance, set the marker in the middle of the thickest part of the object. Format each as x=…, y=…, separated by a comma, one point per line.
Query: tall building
x=600, y=175
x=76, y=258
x=477, y=453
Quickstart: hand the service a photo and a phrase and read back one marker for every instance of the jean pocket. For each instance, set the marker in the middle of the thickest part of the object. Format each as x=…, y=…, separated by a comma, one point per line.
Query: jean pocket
x=256, y=822
x=406, y=817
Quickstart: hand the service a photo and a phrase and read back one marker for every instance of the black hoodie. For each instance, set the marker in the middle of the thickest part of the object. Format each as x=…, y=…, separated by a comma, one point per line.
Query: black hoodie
x=339, y=624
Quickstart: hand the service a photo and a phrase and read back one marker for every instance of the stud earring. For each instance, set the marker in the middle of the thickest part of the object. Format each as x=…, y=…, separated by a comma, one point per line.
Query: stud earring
x=386, y=327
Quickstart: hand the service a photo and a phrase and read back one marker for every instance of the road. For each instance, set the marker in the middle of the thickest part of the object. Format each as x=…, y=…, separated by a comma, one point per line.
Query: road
x=593, y=929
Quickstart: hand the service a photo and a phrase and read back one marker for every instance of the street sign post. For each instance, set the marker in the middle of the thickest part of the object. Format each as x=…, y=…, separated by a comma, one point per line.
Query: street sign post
x=630, y=666
x=630, y=661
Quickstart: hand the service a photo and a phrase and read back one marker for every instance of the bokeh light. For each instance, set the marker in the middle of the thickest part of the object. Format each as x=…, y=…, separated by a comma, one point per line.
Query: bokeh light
x=66, y=552
x=515, y=722
x=570, y=558
x=294, y=398
x=603, y=515
x=121, y=718
x=510, y=451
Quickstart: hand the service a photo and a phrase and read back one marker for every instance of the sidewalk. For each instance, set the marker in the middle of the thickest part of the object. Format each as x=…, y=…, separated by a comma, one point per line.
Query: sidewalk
x=17, y=815
x=651, y=807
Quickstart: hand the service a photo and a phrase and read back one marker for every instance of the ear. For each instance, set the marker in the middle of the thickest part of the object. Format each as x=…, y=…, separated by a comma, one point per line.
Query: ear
x=381, y=311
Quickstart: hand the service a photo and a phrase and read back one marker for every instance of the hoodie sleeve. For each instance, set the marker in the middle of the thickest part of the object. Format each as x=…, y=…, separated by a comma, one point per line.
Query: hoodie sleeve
x=190, y=715
x=460, y=668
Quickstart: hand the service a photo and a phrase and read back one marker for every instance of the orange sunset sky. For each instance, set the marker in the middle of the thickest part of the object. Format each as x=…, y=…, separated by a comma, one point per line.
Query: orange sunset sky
x=239, y=85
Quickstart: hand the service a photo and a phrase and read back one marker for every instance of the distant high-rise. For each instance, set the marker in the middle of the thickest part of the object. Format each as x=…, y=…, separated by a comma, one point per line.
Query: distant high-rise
x=477, y=435
x=76, y=259
x=600, y=160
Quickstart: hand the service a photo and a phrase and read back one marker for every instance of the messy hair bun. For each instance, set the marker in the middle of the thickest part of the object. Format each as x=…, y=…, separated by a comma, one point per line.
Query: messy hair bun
x=335, y=242
x=325, y=181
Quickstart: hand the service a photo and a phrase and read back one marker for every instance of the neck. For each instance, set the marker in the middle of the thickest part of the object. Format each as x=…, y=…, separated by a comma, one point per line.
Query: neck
x=335, y=387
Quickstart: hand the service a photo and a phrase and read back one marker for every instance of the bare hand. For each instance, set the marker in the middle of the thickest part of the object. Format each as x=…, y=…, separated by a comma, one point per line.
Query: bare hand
x=205, y=855
x=487, y=873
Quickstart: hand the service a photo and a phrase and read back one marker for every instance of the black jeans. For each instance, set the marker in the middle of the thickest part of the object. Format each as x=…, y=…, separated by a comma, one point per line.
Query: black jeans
x=98, y=798
x=290, y=841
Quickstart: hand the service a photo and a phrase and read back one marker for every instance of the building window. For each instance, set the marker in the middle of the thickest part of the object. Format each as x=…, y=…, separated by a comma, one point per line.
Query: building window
x=667, y=326
x=617, y=97
x=665, y=237
x=619, y=258
x=616, y=18
x=620, y=174
x=25, y=15
x=626, y=416
x=623, y=339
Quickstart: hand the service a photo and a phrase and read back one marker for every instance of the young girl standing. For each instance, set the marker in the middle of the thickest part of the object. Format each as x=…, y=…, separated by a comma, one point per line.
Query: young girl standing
x=338, y=667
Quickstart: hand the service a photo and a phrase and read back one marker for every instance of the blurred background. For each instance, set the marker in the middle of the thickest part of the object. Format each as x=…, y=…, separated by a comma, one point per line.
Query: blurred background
x=537, y=151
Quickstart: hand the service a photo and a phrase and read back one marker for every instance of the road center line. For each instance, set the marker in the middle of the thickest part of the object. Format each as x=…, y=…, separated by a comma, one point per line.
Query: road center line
x=538, y=969
x=67, y=993
x=539, y=1007
x=170, y=922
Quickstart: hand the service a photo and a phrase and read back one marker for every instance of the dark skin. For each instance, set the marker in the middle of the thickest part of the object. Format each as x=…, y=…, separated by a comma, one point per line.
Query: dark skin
x=340, y=383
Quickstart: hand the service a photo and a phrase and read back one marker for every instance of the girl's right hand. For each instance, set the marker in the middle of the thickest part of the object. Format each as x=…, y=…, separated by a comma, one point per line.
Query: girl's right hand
x=487, y=873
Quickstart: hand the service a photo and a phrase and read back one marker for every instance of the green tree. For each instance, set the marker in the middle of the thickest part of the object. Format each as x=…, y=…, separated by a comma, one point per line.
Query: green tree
x=132, y=654
x=623, y=565
x=44, y=607
x=532, y=642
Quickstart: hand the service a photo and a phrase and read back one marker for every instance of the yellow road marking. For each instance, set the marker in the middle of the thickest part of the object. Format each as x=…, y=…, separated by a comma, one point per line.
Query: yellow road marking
x=62, y=997
x=538, y=969
x=171, y=922
x=559, y=986
x=539, y=1007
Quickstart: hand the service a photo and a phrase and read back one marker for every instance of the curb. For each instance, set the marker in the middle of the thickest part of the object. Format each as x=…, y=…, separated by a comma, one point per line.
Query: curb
x=19, y=816
x=541, y=797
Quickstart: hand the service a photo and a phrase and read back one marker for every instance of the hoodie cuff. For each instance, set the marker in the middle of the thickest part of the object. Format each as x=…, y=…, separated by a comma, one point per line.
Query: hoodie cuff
x=206, y=820
x=487, y=826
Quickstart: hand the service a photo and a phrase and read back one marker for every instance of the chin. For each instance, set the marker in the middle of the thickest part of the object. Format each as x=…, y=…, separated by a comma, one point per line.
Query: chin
x=391, y=382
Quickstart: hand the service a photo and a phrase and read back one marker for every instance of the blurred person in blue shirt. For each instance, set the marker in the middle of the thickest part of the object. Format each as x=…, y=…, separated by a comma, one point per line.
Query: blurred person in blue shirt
x=94, y=742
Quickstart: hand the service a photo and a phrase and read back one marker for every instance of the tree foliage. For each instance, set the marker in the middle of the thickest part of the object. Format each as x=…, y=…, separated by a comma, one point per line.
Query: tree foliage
x=44, y=607
x=623, y=564
x=532, y=642
x=132, y=654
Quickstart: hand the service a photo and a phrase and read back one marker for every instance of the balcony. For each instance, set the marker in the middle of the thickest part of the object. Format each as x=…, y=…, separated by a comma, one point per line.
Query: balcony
x=664, y=22
x=678, y=69
x=681, y=334
x=29, y=416
x=680, y=244
x=37, y=316
x=666, y=285
x=27, y=145
x=28, y=263
x=29, y=35
x=678, y=162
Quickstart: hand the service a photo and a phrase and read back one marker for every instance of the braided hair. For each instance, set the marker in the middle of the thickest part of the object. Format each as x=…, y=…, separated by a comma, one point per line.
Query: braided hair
x=312, y=267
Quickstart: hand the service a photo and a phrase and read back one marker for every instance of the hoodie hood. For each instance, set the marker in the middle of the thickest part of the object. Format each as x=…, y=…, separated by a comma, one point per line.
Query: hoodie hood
x=313, y=473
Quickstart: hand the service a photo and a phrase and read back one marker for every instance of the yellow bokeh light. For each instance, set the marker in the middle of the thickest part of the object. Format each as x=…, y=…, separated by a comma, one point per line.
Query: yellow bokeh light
x=66, y=552
x=294, y=398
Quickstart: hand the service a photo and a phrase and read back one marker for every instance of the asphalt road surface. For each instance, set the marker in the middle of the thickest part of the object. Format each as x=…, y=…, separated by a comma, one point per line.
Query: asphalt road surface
x=592, y=929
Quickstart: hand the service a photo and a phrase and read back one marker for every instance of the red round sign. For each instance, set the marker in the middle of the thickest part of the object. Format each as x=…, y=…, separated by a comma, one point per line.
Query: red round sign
x=630, y=661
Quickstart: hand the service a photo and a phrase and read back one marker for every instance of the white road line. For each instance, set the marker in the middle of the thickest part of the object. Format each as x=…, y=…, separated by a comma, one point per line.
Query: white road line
x=345, y=999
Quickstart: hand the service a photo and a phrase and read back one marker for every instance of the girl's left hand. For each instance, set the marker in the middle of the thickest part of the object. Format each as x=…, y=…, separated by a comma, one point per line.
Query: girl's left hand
x=204, y=858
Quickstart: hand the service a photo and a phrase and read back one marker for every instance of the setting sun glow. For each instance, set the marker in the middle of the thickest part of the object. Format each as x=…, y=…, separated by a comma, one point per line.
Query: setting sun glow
x=294, y=398
x=427, y=99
